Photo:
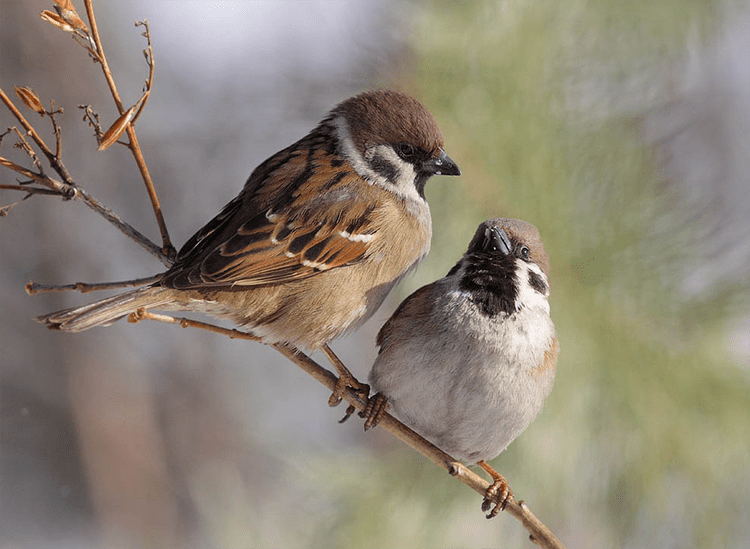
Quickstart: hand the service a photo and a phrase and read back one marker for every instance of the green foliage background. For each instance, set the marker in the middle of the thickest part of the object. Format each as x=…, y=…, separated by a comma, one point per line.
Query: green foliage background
x=645, y=439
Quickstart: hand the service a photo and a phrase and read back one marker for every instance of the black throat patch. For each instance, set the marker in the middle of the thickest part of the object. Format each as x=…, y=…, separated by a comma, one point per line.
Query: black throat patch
x=490, y=279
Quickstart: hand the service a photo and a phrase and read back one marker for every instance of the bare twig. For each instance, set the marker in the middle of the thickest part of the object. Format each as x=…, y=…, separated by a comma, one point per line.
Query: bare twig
x=55, y=128
x=69, y=192
x=130, y=231
x=30, y=190
x=538, y=532
x=28, y=149
x=167, y=247
x=143, y=314
x=84, y=287
x=148, y=54
x=76, y=193
x=20, y=169
x=68, y=189
x=5, y=210
x=91, y=117
x=53, y=160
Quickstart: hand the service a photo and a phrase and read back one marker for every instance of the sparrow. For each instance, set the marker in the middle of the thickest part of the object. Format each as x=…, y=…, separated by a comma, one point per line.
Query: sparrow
x=468, y=360
x=318, y=236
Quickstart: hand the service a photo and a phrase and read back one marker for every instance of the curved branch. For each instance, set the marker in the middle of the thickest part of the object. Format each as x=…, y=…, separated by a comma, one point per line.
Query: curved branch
x=538, y=532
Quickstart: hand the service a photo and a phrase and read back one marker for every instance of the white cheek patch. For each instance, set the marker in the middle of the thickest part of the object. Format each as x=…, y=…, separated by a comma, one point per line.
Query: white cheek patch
x=404, y=184
x=527, y=295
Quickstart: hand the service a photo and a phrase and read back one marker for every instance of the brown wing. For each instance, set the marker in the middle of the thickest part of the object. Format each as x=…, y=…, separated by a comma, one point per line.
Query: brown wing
x=298, y=215
x=413, y=313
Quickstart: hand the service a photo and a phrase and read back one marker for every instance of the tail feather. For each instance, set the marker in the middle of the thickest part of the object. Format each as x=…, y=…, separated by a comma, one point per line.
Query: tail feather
x=106, y=311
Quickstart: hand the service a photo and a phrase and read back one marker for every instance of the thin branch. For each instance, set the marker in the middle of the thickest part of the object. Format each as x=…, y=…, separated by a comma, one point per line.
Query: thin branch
x=54, y=187
x=30, y=190
x=54, y=161
x=69, y=189
x=91, y=117
x=148, y=53
x=28, y=149
x=167, y=247
x=5, y=210
x=20, y=169
x=56, y=128
x=84, y=287
x=130, y=231
x=69, y=192
x=538, y=532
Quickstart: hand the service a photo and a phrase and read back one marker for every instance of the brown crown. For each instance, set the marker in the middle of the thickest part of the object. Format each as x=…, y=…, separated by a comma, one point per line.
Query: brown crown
x=386, y=116
x=518, y=231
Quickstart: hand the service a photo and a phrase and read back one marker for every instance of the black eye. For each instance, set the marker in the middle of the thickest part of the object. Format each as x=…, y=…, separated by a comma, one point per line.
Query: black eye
x=405, y=150
x=523, y=252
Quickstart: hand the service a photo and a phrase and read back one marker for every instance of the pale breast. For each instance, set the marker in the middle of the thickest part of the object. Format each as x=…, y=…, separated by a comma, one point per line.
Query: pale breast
x=468, y=385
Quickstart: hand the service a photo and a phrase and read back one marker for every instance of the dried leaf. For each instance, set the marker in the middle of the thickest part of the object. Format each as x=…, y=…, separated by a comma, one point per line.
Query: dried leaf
x=29, y=98
x=117, y=129
x=56, y=20
x=65, y=4
x=67, y=11
x=5, y=162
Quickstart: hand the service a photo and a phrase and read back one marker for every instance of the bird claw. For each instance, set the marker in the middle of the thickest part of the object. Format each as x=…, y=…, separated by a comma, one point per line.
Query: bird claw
x=498, y=493
x=346, y=379
x=373, y=412
x=349, y=411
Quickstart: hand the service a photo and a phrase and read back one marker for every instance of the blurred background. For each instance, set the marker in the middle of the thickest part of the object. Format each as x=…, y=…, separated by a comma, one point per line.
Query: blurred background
x=619, y=127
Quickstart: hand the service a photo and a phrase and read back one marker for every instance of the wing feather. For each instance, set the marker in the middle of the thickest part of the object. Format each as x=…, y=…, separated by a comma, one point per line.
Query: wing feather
x=298, y=215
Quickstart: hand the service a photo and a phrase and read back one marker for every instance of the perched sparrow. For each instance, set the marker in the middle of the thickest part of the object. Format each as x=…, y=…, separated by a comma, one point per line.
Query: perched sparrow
x=316, y=239
x=468, y=360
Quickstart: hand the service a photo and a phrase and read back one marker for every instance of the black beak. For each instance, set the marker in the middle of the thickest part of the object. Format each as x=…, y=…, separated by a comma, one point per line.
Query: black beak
x=496, y=240
x=441, y=165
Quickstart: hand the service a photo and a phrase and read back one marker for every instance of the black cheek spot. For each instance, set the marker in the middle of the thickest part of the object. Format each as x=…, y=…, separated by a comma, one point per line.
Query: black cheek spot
x=536, y=282
x=337, y=162
x=383, y=167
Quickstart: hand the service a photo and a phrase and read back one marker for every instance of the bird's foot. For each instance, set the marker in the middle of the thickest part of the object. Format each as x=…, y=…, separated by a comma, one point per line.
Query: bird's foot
x=346, y=379
x=373, y=412
x=499, y=491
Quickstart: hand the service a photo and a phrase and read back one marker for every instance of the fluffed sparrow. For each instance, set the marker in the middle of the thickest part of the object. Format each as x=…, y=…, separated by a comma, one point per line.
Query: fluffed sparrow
x=316, y=239
x=468, y=360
